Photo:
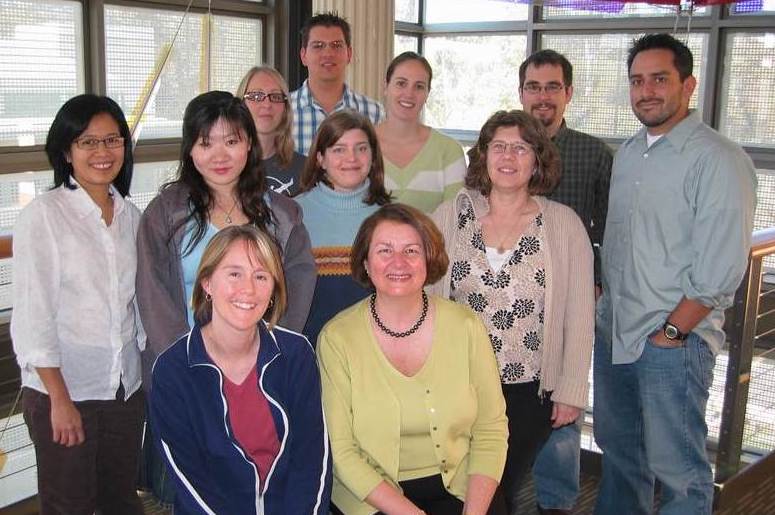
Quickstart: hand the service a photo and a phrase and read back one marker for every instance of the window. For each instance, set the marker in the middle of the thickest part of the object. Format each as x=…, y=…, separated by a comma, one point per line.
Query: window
x=408, y=11
x=607, y=9
x=402, y=43
x=136, y=40
x=473, y=76
x=455, y=11
x=748, y=92
x=41, y=66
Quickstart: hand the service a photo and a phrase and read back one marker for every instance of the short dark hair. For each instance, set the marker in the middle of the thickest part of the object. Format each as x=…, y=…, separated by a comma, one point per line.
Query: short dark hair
x=409, y=56
x=436, y=259
x=682, y=56
x=547, y=57
x=330, y=131
x=547, y=175
x=201, y=114
x=69, y=123
x=326, y=19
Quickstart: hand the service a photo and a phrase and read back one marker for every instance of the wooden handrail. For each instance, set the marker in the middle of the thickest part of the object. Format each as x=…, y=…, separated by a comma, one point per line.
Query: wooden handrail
x=763, y=242
x=6, y=247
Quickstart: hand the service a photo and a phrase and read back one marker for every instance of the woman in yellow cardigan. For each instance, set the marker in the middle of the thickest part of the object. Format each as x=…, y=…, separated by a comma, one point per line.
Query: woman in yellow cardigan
x=411, y=389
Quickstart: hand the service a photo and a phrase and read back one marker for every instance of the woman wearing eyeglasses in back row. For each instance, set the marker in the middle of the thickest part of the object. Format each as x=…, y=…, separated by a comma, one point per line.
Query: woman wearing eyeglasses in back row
x=265, y=93
x=75, y=327
x=524, y=265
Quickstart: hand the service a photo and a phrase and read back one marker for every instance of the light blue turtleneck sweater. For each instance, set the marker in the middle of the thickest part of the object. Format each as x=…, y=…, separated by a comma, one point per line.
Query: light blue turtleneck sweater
x=332, y=219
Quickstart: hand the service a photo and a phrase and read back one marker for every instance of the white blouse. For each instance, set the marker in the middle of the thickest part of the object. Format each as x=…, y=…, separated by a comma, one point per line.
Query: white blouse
x=74, y=294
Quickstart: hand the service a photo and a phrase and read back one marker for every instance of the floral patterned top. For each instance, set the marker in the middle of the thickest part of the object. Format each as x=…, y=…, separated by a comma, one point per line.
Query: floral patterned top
x=510, y=301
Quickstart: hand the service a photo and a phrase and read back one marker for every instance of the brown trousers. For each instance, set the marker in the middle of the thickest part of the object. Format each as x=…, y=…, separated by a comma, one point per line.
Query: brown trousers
x=99, y=474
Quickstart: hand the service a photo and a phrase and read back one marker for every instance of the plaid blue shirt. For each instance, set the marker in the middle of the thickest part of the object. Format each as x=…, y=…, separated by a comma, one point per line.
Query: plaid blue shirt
x=308, y=115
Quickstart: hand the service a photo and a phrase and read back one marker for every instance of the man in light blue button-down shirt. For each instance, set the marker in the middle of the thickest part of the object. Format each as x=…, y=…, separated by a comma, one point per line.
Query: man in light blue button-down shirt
x=678, y=233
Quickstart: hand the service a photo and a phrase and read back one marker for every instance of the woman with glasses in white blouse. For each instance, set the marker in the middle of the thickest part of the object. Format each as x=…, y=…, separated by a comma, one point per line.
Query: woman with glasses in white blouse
x=75, y=329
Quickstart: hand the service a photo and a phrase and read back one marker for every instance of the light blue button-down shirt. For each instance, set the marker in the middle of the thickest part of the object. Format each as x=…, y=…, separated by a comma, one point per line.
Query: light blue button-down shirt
x=680, y=216
x=308, y=114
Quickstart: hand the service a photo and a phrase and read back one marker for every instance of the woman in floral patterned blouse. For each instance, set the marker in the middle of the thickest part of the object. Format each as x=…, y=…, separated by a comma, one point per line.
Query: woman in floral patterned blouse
x=524, y=265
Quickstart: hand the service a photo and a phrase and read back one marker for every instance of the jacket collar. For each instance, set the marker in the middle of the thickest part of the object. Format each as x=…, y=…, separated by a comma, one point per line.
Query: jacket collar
x=197, y=354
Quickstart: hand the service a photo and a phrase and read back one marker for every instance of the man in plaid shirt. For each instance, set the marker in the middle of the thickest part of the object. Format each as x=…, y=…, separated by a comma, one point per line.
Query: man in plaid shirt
x=545, y=89
x=326, y=51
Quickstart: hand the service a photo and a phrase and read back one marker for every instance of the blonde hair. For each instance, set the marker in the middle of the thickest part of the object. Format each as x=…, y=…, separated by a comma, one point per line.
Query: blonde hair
x=263, y=247
x=283, y=139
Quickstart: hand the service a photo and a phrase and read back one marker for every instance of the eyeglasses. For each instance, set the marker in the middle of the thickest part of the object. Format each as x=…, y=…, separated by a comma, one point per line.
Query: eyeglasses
x=319, y=46
x=534, y=88
x=501, y=147
x=90, y=143
x=259, y=96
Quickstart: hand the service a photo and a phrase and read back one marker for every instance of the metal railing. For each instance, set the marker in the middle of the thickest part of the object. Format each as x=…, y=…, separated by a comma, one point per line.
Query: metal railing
x=745, y=329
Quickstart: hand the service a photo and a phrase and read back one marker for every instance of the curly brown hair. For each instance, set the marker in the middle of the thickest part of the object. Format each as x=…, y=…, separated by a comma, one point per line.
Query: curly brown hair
x=436, y=260
x=547, y=175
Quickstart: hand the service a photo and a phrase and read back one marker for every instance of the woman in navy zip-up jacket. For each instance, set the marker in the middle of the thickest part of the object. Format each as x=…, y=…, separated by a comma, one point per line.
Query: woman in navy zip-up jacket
x=206, y=432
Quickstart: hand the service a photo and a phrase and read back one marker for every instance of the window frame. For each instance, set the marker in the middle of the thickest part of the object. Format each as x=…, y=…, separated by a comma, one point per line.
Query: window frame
x=274, y=41
x=719, y=21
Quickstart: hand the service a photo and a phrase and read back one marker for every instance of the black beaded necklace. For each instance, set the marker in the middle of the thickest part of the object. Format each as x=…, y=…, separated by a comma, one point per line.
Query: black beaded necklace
x=394, y=334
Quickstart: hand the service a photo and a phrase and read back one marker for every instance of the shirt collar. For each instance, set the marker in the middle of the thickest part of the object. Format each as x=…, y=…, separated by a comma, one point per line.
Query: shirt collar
x=84, y=205
x=306, y=95
x=679, y=134
x=561, y=133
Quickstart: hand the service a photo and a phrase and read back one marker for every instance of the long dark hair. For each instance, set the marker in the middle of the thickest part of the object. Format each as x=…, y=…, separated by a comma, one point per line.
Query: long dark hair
x=70, y=121
x=201, y=114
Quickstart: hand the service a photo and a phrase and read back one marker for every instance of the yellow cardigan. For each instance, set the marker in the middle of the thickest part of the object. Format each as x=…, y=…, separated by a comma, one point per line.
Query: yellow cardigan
x=466, y=408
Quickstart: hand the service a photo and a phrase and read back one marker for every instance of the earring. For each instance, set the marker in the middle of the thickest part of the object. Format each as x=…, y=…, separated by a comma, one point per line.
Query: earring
x=208, y=297
x=535, y=171
x=271, y=302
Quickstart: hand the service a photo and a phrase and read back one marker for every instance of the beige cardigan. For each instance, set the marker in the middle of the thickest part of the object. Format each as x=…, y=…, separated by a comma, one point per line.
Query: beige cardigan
x=570, y=298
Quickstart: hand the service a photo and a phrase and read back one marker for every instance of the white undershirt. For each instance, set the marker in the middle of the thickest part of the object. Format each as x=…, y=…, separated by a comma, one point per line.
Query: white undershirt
x=496, y=259
x=650, y=140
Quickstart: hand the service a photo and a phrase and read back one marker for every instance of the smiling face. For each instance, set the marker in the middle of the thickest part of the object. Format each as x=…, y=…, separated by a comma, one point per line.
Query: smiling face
x=659, y=98
x=97, y=169
x=326, y=55
x=545, y=106
x=240, y=287
x=347, y=162
x=396, y=260
x=221, y=155
x=266, y=115
x=407, y=91
x=509, y=170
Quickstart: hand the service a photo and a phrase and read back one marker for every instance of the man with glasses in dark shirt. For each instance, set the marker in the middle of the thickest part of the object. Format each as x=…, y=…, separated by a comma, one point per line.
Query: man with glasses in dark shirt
x=326, y=52
x=545, y=89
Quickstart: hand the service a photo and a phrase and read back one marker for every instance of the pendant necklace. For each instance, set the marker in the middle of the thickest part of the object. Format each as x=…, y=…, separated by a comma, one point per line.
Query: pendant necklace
x=227, y=220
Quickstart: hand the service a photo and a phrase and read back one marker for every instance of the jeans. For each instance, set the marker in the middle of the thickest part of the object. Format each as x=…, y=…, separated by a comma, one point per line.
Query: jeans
x=650, y=424
x=556, y=469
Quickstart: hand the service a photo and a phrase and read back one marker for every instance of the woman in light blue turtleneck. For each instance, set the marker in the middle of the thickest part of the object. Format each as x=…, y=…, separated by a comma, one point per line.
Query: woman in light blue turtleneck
x=342, y=184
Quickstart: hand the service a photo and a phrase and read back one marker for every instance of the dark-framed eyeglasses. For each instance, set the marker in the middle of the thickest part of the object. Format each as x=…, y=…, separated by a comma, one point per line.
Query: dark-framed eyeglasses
x=90, y=143
x=501, y=147
x=337, y=45
x=535, y=88
x=259, y=96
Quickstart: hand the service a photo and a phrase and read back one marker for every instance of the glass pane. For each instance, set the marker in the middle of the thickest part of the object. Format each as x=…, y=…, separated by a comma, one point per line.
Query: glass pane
x=601, y=101
x=754, y=7
x=404, y=43
x=459, y=11
x=408, y=10
x=748, y=88
x=609, y=9
x=136, y=41
x=473, y=76
x=41, y=66
x=147, y=178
